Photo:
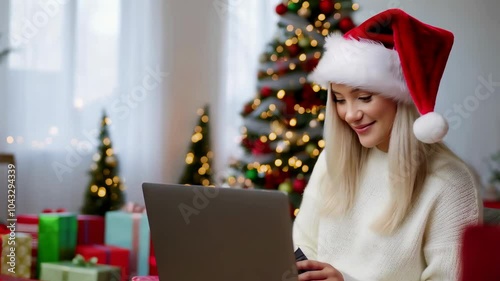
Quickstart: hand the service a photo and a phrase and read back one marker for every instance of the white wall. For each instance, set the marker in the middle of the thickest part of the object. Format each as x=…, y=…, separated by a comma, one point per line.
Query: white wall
x=474, y=122
x=193, y=53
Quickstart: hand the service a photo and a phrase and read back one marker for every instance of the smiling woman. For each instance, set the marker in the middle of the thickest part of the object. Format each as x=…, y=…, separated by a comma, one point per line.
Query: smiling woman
x=387, y=200
x=370, y=115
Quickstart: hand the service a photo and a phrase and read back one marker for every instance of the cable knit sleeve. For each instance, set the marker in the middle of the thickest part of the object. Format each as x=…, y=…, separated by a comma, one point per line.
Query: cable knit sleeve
x=457, y=206
x=305, y=227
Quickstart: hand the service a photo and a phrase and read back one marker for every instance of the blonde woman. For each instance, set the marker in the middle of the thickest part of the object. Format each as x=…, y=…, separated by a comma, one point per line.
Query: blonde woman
x=387, y=200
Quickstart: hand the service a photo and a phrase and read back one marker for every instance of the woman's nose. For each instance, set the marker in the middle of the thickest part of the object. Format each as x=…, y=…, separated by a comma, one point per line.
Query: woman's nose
x=353, y=114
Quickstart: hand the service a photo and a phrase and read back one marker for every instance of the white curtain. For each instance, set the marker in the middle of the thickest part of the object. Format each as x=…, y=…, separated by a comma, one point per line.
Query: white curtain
x=251, y=25
x=41, y=126
x=150, y=64
x=71, y=61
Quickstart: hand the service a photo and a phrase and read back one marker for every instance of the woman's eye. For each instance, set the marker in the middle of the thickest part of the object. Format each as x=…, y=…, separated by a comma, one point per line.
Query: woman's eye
x=335, y=100
x=366, y=99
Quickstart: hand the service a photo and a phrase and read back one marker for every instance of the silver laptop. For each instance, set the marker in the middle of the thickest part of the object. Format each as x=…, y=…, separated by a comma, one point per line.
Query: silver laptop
x=223, y=234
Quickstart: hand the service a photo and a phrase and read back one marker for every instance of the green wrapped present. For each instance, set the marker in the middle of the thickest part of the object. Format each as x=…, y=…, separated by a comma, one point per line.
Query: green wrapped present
x=57, y=235
x=71, y=271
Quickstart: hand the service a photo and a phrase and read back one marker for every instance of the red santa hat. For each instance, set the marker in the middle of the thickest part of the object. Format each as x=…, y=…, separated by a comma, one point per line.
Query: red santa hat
x=395, y=55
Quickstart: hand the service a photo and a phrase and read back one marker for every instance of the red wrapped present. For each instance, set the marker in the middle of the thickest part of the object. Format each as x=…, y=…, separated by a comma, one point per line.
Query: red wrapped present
x=480, y=253
x=12, y=278
x=109, y=255
x=153, y=269
x=90, y=230
x=4, y=229
x=28, y=223
x=145, y=278
x=491, y=204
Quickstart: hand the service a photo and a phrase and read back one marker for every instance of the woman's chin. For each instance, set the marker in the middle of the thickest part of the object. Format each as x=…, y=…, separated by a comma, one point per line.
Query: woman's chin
x=367, y=143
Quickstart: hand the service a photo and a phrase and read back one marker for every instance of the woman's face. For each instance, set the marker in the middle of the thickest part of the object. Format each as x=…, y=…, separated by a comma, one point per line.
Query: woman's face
x=370, y=115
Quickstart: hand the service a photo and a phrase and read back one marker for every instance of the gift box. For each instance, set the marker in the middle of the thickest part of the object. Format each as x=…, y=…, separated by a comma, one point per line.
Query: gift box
x=57, y=233
x=68, y=271
x=90, y=230
x=109, y=255
x=145, y=278
x=131, y=231
x=28, y=223
x=15, y=257
x=12, y=278
x=153, y=269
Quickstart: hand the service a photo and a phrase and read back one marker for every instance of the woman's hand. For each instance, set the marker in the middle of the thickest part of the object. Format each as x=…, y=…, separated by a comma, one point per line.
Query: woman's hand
x=318, y=271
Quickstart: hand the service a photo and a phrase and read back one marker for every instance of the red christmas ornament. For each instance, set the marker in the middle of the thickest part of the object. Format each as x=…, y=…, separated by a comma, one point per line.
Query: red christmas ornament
x=299, y=184
x=293, y=50
x=282, y=68
x=281, y=9
x=290, y=102
x=311, y=64
x=266, y=92
x=246, y=142
x=280, y=176
x=270, y=183
x=307, y=92
x=326, y=6
x=247, y=109
x=346, y=24
x=260, y=147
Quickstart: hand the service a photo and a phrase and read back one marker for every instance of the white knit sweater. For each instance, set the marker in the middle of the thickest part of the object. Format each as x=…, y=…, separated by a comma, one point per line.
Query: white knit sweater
x=425, y=247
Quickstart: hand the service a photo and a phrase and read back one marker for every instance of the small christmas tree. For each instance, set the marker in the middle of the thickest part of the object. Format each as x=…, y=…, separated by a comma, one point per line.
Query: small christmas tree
x=282, y=134
x=105, y=190
x=198, y=169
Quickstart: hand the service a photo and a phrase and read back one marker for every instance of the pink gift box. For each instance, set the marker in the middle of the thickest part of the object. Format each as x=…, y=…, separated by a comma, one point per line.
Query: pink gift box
x=145, y=278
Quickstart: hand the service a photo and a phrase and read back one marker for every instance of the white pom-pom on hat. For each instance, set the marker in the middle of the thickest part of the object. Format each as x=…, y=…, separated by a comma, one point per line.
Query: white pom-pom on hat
x=430, y=127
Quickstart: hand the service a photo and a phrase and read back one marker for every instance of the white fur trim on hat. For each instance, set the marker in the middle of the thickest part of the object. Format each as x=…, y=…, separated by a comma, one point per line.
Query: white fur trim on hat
x=363, y=64
x=430, y=127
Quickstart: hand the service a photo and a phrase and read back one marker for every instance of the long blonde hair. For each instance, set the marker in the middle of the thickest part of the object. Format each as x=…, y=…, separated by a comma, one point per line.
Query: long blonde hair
x=408, y=164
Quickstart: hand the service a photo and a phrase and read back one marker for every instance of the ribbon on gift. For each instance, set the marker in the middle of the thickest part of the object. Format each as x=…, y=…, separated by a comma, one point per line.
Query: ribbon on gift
x=107, y=251
x=90, y=229
x=132, y=207
x=86, y=227
x=48, y=210
x=79, y=260
x=136, y=210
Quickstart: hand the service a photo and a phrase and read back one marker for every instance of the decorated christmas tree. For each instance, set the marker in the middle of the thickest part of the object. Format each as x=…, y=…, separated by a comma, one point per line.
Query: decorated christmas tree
x=283, y=124
x=198, y=159
x=105, y=191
